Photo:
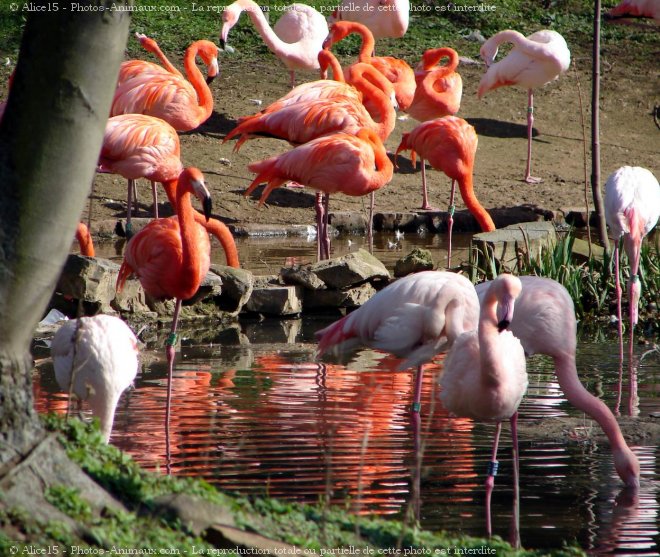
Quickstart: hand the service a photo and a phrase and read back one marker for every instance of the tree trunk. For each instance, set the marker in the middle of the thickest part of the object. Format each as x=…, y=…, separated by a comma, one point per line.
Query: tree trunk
x=50, y=138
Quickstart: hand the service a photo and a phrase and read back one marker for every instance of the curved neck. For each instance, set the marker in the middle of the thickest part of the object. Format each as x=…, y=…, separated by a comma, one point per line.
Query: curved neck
x=151, y=45
x=85, y=240
x=465, y=185
x=328, y=60
x=530, y=48
x=363, y=77
x=433, y=56
x=368, y=42
x=384, y=167
x=197, y=80
x=273, y=42
x=488, y=339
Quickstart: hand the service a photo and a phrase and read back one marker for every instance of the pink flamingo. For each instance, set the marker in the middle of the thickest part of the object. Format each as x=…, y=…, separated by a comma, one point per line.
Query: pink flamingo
x=450, y=145
x=632, y=209
x=353, y=164
x=133, y=68
x=395, y=70
x=384, y=18
x=534, y=61
x=171, y=257
x=485, y=376
x=415, y=317
x=438, y=93
x=96, y=359
x=636, y=8
x=84, y=239
x=183, y=104
x=296, y=38
x=139, y=146
x=544, y=322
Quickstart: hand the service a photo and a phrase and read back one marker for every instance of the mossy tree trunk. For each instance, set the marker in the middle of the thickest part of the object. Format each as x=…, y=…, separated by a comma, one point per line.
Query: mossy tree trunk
x=50, y=138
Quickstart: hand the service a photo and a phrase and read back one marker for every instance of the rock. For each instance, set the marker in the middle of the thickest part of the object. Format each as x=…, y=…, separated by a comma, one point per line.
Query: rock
x=348, y=222
x=580, y=252
x=350, y=270
x=195, y=514
x=329, y=299
x=270, y=331
x=400, y=221
x=237, y=287
x=210, y=288
x=302, y=276
x=273, y=230
x=577, y=216
x=417, y=260
x=276, y=300
x=506, y=244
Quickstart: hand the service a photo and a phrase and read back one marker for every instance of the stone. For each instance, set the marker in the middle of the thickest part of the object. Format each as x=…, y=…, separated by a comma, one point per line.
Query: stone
x=195, y=514
x=210, y=288
x=270, y=331
x=272, y=230
x=349, y=222
x=507, y=244
x=580, y=253
x=577, y=216
x=350, y=270
x=330, y=299
x=417, y=260
x=276, y=300
x=400, y=221
x=302, y=276
x=237, y=287
x=89, y=279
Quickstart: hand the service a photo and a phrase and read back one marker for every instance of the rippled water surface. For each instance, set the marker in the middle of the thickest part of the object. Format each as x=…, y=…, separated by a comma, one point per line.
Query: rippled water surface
x=253, y=412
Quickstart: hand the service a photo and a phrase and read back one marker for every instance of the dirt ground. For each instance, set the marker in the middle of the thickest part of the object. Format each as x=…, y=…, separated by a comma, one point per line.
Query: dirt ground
x=629, y=136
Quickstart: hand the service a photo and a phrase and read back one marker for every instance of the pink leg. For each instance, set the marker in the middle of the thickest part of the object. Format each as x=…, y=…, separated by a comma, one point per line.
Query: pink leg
x=370, y=225
x=154, y=193
x=415, y=502
x=292, y=75
x=490, y=478
x=515, y=519
x=326, y=226
x=425, y=195
x=319, y=225
x=450, y=222
x=417, y=395
x=619, y=324
x=530, y=123
x=129, y=208
x=170, y=351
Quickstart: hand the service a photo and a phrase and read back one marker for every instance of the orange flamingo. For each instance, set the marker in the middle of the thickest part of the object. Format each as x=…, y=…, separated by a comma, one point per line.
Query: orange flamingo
x=395, y=70
x=450, y=145
x=533, y=61
x=183, y=104
x=84, y=239
x=133, y=68
x=139, y=146
x=171, y=257
x=438, y=93
x=304, y=121
x=351, y=164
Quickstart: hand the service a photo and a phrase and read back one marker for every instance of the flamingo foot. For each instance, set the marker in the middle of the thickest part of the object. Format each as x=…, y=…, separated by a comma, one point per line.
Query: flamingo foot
x=427, y=207
x=532, y=179
x=293, y=185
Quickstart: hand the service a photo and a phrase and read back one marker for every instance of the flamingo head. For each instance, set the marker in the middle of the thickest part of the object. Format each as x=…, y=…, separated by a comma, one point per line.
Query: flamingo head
x=488, y=53
x=230, y=17
x=193, y=180
x=147, y=43
x=634, y=294
x=208, y=52
x=338, y=31
x=508, y=289
x=627, y=466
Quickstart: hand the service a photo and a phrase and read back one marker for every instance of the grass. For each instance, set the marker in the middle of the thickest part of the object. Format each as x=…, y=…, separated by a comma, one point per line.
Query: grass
x=312, y=528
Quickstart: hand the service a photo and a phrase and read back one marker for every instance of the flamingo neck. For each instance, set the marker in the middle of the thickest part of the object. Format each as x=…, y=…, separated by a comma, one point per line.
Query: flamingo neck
x=104, y=409
x=85, y=240
x=488, y=336
x=384, y=168
x=273, y=42
x=328, y=59
x=432, y=57
x=197, y=80
x=466, y=187
x=152, y=46
x=368, y=42
x=454, y=317
x=387, y=116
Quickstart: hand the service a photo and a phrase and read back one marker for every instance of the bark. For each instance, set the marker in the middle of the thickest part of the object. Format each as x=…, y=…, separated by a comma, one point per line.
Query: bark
x=50, y=138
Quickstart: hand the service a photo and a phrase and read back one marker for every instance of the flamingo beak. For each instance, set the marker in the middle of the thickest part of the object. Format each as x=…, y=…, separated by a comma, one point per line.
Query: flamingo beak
x=505, y=313
x=207, y=204
x=327, y=43
x=213, y=71
x=202, y=193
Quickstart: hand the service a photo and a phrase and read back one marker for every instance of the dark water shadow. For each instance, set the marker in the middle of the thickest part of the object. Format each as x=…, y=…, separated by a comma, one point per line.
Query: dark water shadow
x=285, y=197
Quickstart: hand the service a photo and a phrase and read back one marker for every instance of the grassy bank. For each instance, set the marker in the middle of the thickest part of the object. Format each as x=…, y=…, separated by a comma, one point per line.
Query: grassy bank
x=312, y=529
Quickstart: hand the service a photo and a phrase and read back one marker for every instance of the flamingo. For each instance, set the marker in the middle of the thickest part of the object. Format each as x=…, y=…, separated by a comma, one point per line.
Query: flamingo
x=133, y=68
x=171, y=257
x=534, y=61
x=450, y=145
x=353, y=164
x=438, y=93
x=632, y=209
x=384, y=18
x=544, y=322
x=485, y=376
x=140, y=146
x=636, y=8
x=84, y=239
x=395, y=70
x=296, y=38
x=415, y=317
x=306, y=120
x=184, y=104
x=96, y=359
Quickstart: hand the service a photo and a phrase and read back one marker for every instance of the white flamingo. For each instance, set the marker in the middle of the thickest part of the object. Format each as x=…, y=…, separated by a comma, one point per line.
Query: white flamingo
x=384, y=18
x=100, y=355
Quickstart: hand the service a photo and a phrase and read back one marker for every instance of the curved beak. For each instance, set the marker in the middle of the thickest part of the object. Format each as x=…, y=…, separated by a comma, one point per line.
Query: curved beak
x=202, y=193
x=505, y=313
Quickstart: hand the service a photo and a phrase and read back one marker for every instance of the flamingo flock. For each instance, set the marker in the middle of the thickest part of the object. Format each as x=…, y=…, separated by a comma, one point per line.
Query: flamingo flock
x=338, y=129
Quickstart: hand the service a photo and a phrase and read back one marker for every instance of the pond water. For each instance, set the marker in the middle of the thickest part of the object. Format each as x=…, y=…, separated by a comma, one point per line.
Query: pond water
x=254, y=412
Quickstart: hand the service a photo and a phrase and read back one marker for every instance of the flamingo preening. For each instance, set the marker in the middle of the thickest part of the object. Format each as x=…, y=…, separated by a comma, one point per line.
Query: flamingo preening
x=384, y=18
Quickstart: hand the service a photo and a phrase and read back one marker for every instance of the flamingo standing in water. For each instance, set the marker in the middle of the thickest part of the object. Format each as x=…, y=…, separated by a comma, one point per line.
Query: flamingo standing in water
x=296, y=38
x=171, y=257
x=438, y=93
x=353, y=164
x=534, y=61
x=450, y=145
x=395, y=70
x=415, y=317
x=139, y=146
x=184, y=104
x=96, y=359
x=544, y=322
x=384, y=18
x=485, y=375
x=632, y=209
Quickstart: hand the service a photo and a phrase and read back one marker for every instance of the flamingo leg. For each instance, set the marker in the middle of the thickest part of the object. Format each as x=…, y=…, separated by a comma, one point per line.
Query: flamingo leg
x=530, y=124
x=426, y=206
x=319, y=224
x=129, y=207
x=170, y=351
x=326, y=227
x=154, y=193
x=292, y=75
x=370, y=224
x=450, y=222
x=632, y=372
x=619, y=323
x=417, y=395
x=416, y=423
x=490, y=478
x=515, y=519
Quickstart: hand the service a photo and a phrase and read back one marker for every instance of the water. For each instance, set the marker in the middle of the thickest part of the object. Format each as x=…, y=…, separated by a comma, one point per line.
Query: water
x=253, y=412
